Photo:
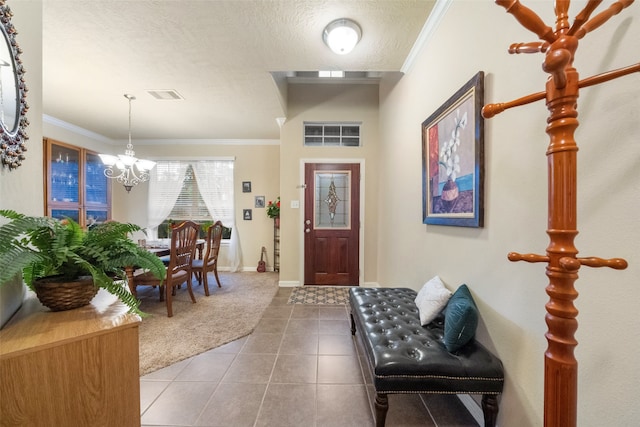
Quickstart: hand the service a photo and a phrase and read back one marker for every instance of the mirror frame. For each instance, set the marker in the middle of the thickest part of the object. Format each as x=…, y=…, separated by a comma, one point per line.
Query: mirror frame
x=12, y=141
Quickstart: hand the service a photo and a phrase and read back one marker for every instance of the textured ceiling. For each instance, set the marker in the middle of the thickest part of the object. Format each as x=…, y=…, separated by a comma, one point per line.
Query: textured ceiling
x=219, y=55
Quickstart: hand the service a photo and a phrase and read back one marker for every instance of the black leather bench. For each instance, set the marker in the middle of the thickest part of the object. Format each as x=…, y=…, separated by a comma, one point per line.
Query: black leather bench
x=406, y=357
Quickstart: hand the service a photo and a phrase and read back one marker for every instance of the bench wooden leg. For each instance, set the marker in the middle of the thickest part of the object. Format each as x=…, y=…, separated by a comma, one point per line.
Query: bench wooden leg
x=382, y=406
x=490, y=409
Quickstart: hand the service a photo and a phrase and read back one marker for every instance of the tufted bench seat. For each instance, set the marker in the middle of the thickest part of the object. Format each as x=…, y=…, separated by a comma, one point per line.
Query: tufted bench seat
x=406, y=357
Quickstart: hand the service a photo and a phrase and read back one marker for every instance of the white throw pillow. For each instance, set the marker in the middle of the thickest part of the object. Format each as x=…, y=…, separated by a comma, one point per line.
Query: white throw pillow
x=432, y=299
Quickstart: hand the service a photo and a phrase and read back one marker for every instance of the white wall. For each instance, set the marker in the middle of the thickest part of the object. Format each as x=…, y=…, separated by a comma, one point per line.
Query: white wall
x=21, y=189
x=475, y=36
x=327, y=103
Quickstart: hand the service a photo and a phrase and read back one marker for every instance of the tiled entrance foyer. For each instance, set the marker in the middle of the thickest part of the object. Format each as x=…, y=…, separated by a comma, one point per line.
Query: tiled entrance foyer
x=299, y=368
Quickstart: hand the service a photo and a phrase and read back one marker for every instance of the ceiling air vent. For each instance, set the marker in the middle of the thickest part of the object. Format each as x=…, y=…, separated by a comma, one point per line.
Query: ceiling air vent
x=165, y=95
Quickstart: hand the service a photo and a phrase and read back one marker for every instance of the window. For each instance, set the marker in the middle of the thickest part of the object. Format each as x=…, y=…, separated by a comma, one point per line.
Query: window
x=199, y=191
x=331, y=134
x=190, y=206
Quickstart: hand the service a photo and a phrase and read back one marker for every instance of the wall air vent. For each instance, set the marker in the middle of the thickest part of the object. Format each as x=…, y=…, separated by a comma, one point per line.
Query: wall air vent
x=165, y=95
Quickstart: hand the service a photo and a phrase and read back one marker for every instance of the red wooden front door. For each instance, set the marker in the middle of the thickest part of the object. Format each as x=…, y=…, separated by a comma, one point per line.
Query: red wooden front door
x=331, y=225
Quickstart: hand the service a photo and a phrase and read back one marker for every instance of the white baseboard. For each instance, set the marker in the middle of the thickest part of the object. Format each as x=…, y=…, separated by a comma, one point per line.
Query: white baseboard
x=289, y=283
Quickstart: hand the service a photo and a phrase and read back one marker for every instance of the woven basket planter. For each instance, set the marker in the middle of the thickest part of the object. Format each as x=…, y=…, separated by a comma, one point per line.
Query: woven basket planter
x=59, y=294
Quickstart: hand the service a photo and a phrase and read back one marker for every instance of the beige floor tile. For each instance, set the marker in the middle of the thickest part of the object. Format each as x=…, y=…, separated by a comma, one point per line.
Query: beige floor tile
x=149, y=392
x=271, y=326
x=299, y=344
x=180, y=404
x=277, y=312
x=333, y=313
x=288, y=405
x=262, y=343
x=233, y=404
x=279, y=301
x=407, y=410
x=169, y=373
x=339, y=370
x=343, y=406
x=302, y=311
x=206, y=367
x=232, y=347
x=302, y=326
x=336, y=345
x=336, y=327
x=295, y=369
x=250, y=368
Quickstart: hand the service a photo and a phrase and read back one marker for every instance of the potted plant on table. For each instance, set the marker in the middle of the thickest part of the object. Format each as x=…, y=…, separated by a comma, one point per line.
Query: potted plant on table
x=65, y=265
x=273, y=210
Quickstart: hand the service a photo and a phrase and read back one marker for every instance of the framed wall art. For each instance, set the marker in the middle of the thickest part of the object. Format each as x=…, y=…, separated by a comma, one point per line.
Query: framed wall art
x=246, y=186
x=453, y=159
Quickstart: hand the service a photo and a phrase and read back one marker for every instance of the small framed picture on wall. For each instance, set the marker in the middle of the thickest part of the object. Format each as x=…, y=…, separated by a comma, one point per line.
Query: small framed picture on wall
x=259, y=202
x=246, y=214
x=246, y=186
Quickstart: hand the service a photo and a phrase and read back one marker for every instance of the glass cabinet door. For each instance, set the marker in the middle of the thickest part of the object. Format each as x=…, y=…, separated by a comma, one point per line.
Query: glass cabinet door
x=76, y=186
x=64, y=165
x=96, y=183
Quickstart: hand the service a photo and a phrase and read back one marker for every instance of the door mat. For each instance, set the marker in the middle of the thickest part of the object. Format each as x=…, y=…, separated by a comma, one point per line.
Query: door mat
x=322, y=295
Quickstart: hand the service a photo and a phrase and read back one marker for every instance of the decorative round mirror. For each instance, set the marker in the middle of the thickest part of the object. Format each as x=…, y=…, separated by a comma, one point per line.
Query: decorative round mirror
x=13, y=107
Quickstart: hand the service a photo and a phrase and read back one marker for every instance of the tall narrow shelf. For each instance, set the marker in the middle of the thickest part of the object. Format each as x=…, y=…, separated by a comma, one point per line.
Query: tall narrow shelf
x=276, y=244
x=76, y=367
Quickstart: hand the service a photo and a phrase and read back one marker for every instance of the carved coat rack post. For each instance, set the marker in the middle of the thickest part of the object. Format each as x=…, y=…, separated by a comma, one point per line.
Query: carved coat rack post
x=563, y=84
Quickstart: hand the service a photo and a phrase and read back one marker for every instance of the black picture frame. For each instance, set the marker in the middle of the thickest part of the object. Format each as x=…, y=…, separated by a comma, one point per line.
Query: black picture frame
x=453, y=159
x=246, y=186
x=247, y=214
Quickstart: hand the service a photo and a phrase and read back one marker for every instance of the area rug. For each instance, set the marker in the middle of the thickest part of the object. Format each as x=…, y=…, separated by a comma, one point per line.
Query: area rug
x=229, y=313
x=329, y=295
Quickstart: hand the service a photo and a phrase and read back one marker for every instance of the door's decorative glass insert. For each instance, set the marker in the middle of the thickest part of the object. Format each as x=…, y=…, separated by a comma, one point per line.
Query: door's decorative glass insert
x=332, y=199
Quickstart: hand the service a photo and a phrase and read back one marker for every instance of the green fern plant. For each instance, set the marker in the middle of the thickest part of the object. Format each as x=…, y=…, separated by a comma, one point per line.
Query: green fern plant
x=41, y=247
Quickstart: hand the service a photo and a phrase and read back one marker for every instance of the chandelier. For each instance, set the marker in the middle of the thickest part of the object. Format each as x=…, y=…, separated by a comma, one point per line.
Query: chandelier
x=125, y=168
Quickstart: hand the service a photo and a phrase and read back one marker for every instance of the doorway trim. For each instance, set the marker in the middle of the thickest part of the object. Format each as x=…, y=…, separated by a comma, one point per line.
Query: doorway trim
x=301, y=216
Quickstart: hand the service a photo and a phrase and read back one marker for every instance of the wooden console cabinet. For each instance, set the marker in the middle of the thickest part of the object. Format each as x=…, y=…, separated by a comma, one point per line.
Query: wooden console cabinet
x=78, y=367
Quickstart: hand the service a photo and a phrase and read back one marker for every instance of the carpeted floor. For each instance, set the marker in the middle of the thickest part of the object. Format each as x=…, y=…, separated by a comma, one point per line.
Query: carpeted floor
x=229, y=313
x=323, y=295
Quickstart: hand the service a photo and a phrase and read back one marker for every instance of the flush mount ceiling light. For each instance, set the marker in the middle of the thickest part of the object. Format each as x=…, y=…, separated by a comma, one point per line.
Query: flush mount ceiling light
x=342, y=35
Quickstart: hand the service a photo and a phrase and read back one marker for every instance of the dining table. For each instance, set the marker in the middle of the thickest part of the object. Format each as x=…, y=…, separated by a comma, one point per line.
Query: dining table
x=160, y=248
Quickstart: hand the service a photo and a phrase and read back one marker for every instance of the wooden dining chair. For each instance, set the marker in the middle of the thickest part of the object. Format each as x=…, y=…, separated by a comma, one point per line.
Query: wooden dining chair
x=183, y=248
x=200, y=267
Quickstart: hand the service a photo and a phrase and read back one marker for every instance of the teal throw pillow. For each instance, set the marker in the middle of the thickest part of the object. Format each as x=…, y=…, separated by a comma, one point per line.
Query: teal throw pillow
x=460, y=319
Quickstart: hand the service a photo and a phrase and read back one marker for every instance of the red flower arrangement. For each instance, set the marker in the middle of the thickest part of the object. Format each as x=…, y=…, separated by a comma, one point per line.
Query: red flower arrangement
x=273, y=208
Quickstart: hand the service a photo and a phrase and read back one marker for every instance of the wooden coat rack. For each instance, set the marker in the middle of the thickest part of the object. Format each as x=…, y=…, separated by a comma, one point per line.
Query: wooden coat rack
x=559, y=47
